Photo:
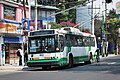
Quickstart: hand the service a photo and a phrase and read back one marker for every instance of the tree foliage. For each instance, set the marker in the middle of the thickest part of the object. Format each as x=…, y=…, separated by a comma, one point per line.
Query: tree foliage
x=98, y=24
x=55, y=25
x=113, y=27
x=71, y=14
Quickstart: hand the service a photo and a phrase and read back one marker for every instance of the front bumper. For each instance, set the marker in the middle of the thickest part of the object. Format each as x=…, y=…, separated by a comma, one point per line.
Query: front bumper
x=41, y=64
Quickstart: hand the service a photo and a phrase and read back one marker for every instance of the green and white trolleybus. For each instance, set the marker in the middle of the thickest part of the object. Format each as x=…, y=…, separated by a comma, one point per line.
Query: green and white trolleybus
x=60, y=47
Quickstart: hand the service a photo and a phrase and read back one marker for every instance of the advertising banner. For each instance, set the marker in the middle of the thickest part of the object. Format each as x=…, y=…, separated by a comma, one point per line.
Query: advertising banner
x=30, y=24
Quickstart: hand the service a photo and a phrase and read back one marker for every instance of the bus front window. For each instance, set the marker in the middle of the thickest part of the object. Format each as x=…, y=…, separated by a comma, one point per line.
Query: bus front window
x=42, y=44
x=33, y=46
x=48, y=44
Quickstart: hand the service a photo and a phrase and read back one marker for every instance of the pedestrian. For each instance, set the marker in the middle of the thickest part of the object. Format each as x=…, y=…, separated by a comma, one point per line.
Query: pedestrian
x=19, y=54
x=98, y=55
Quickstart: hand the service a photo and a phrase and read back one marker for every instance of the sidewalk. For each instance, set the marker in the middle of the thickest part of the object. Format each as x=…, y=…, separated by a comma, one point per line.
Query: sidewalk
x=109, y=55
x=11, y=67
x=18, y=68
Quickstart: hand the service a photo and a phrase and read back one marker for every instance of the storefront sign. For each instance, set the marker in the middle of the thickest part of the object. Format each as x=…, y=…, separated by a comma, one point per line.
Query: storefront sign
x=9, y=12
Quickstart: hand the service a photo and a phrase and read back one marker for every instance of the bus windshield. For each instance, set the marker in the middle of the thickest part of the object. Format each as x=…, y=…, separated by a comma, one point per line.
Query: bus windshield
x=42, y=44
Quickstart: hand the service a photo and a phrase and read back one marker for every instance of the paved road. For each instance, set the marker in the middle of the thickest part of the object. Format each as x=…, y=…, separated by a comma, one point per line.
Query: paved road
x=107, y=69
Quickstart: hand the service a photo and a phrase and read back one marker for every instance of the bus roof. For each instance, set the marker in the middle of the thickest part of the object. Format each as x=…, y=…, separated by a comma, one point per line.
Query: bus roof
x=76, y=31
x=63, y=30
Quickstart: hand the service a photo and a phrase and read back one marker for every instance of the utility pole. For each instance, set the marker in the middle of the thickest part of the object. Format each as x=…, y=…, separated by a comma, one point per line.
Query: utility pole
x=24, y=8
x=35, y=14
x=92, y=19
x=106, y=42
x=103, y=37
x=29, y=10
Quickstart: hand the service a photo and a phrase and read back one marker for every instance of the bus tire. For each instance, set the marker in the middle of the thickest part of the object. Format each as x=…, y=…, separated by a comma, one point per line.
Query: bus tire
x=70, y=64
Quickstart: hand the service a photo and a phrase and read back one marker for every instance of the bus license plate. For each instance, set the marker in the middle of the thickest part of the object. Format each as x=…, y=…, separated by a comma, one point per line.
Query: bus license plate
x=36, y=58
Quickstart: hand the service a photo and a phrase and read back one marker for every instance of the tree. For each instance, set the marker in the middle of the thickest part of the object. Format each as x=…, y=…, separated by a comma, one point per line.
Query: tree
x=71, y=14
x=55, y=25
x=98, y=30
x=113, y=27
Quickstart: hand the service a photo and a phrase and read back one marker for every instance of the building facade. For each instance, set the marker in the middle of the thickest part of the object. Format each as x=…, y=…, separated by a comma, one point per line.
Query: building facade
x=45, y=12
x=11, y=14
x=11, y=24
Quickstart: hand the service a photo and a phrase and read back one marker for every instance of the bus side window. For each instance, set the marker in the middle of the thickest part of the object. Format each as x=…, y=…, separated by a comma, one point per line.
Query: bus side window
x=80, y=42
x=61, y=40
x=74, y=40
x=67, y=40
x=38, y=41
x=92, y=40
x=88, y=41
x=84, y=42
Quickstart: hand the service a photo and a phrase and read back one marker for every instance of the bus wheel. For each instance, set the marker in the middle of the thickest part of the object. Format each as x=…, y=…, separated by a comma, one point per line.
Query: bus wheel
x=70, y=61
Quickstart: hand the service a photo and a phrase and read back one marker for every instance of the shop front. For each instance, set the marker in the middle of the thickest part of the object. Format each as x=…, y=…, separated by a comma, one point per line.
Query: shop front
x=11, y=45
x=10, y=40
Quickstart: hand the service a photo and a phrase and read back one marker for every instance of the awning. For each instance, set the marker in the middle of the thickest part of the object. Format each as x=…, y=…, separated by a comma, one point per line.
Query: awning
x=13, y=40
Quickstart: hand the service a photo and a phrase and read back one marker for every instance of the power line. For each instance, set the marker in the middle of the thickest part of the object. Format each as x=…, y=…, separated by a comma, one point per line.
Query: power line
x=71, y=8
